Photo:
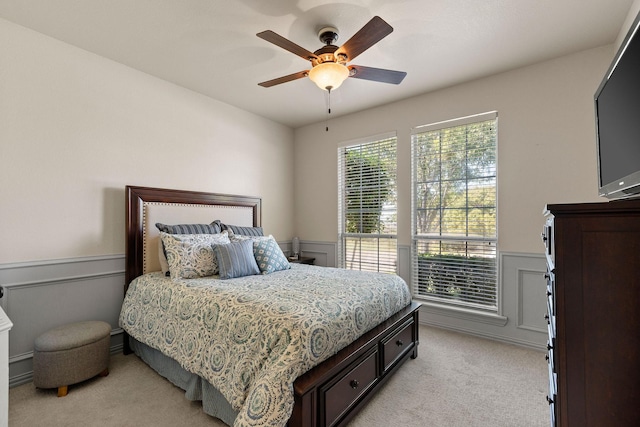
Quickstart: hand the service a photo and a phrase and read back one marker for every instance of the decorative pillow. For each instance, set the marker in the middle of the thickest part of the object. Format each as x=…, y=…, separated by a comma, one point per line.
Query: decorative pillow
x=191, y=255
x=269, y=256
x=213, y=228
x=236, y=259
x=240, y=237
x=243, y=231
x=162, y=257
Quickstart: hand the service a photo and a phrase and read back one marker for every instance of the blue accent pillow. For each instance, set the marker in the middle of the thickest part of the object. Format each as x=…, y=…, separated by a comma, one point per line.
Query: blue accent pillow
x=236, y=259
x=269, y=256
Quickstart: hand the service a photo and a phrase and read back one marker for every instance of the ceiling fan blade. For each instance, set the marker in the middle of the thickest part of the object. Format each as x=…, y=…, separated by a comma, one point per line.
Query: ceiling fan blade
x=286, y=44
x=376, y=74
x=284, y=79
x=373, y=31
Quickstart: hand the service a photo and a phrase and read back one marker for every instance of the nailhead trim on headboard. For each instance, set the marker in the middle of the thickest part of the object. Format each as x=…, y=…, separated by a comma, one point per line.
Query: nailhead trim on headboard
x=183, y=213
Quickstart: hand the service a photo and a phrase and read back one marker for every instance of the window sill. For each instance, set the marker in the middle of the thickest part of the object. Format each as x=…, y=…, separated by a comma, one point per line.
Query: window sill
x=463, y=313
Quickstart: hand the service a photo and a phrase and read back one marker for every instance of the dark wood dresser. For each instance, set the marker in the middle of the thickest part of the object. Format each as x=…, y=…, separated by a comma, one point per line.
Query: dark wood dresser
x=593, y=304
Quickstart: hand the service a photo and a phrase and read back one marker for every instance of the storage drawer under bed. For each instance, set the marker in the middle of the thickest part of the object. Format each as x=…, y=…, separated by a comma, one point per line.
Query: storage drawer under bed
x=340, y=395
x=398, y=344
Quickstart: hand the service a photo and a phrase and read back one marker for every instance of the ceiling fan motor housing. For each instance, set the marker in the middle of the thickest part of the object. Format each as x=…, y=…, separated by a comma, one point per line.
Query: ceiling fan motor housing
x=328, y=35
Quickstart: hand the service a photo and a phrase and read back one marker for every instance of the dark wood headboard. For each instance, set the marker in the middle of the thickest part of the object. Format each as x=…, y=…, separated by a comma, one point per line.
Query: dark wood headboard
x=138, y=198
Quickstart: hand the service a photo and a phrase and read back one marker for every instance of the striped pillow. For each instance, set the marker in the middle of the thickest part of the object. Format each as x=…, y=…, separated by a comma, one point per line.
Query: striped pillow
x=236, y=259
x=213, y=228
x=243, y=231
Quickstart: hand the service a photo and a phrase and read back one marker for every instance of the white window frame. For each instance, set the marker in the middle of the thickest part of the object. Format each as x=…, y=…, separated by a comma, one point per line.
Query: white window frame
x=448, y=289
x=381, y=247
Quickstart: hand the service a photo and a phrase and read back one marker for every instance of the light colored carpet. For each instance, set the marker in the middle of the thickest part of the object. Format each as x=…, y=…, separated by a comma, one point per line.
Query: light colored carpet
x=457, y=380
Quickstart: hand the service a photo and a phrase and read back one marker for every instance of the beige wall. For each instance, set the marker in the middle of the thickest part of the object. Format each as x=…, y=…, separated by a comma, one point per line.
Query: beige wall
x=75, y=128
x=633, y=12
x=546, y=146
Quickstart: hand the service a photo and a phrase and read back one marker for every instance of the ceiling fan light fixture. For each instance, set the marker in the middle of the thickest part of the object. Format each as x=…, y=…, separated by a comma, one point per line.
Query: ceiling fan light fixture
x=329, y=75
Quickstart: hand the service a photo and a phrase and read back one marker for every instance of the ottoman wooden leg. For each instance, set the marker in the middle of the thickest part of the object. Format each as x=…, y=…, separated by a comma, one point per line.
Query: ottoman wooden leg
x=104, y=373
x=62, y=391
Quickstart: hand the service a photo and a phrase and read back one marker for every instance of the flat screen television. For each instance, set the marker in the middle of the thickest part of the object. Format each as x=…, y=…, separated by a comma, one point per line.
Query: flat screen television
x=617, y=107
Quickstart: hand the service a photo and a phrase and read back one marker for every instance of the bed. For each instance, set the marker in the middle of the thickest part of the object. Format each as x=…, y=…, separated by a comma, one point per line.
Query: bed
x=318, y=362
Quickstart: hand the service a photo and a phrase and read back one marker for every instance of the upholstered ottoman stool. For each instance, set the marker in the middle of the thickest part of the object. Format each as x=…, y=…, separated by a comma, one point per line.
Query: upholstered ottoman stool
x=70, y=354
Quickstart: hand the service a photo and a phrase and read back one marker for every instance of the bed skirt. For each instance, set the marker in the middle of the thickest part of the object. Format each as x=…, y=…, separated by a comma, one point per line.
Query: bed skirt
x=195, y=387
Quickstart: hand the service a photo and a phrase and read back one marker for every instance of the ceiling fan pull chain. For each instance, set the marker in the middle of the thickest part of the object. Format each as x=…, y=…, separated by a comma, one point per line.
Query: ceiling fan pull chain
x=328, y=108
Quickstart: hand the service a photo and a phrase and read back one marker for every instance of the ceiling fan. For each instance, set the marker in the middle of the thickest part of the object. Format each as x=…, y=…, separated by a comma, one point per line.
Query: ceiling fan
x=329, y=63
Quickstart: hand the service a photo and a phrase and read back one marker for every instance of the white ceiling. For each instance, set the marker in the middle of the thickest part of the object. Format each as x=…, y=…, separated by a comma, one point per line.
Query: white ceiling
x=210, y=46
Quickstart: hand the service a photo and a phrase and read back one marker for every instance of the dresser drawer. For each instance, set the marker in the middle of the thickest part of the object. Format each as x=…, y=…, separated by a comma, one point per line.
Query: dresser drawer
x=551, y=359
x=551, y=397
x=398, y=344
x=552, y=394
x=550, y=317
x=551, y=291
x=548, y=240
x=339, y=396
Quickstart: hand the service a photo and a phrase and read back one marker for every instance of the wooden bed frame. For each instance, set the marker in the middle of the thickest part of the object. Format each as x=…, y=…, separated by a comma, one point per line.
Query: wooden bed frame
x=334, y=391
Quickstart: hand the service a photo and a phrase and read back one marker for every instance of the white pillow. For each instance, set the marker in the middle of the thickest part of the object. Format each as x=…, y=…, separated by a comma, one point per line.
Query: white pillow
x=164, y=264
x=191, y=255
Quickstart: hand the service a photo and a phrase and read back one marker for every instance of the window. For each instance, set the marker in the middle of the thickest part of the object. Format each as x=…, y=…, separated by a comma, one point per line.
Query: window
x=454, y=224
x=367, y=211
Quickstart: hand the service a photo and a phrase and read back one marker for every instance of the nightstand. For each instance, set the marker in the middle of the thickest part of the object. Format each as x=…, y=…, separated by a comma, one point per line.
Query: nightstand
x=303, y=260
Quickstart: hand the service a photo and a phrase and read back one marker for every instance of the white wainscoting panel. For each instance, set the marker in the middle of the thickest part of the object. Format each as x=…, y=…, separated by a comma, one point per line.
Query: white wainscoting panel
x=41, y=295
x=531, y=308
x=325, y=253
x=44, y=294
x=521, y=305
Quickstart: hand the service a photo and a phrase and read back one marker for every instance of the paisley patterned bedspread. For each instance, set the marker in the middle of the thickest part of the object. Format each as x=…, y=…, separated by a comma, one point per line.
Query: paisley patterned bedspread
x=251, y=337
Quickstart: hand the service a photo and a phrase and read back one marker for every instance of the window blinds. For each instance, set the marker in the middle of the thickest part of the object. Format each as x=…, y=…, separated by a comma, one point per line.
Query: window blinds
x=367, y=208
x=454, y=255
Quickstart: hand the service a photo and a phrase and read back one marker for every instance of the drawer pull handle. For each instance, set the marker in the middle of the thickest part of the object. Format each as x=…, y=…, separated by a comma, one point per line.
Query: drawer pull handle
x=550, y=400
x=399, y=343
x=549, y=346
x=354, y=384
